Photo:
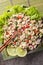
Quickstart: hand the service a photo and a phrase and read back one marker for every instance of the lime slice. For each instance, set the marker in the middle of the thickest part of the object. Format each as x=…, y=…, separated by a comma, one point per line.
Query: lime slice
x=21, y=52
x=11, y=51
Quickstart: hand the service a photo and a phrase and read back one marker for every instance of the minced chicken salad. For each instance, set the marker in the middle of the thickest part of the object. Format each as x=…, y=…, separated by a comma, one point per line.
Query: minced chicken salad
x=28, y=37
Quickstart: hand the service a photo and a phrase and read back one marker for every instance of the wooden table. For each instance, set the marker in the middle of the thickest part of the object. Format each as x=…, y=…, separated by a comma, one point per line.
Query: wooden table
x=33, y=59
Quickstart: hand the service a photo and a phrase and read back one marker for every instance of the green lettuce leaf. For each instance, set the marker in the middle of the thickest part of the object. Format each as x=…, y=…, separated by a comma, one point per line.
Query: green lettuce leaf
x=33, y=13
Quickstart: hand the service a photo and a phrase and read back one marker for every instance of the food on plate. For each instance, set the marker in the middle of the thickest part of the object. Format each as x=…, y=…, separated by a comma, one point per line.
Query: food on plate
x=28, y=31
x=27, y=23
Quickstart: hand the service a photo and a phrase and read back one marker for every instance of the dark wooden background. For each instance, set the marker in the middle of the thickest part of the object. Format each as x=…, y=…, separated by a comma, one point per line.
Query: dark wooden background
x=32, y=59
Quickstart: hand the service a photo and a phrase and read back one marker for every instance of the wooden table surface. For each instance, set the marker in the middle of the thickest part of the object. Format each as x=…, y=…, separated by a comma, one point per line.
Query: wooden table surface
x=32, y=59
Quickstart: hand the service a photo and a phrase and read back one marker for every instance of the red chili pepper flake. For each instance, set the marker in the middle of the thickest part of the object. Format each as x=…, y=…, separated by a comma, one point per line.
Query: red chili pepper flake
x=24, y=28
x=19, y=17
x=27, y=26
x=7, y=33
x=15, y=43
x=26, y=40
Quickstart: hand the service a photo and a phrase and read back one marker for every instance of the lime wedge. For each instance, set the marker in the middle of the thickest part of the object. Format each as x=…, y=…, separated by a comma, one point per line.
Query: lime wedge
x=21, y=52
x=11, y=51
